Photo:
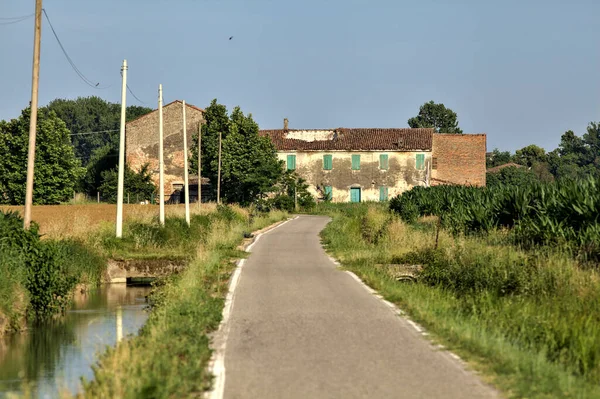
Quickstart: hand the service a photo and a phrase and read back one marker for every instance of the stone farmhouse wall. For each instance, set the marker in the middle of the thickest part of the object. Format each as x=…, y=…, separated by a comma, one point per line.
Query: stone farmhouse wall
x=142, y=142
x=401, y=173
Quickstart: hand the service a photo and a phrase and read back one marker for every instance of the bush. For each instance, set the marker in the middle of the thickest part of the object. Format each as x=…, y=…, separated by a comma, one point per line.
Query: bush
x=48, y=270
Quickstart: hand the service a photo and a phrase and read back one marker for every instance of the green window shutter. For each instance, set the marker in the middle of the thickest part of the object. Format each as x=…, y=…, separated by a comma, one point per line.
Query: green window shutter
x=420, y=161
x=327, y=162
x=329, y=192
x=291, y=162
x=383, y=161
x=355, y=162
x=383, y=193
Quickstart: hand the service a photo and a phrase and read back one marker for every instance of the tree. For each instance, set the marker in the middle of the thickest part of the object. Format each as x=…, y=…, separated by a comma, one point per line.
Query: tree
x=139, y=185
x=217, y=120
x=530, y=155
x=92, y=114
x=56, y=168
x=250, y=167
x=577, y=157
x=437, y=116
x=511, y=176
x=98, y=151
x=497, y=158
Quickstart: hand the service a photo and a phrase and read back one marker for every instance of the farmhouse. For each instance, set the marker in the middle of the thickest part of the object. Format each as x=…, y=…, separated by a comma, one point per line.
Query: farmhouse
x=353, y=165
x=142, y=145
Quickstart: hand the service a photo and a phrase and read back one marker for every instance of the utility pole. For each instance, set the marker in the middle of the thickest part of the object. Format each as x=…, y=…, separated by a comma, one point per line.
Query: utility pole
x=161, y=169
x=199, y=165
x=121, y=177
x=35, y=79
x=186, y=185
x=219, y=173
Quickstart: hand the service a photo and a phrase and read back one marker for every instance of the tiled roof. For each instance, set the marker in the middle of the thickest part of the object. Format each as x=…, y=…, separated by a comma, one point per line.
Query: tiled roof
x=344, y=139
x=503, y=166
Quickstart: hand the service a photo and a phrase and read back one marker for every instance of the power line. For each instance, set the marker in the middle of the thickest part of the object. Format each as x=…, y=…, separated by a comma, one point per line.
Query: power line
x=134, y=95
x=14, y=20
x=98, y=132
x=116, y=130
x=77, y=71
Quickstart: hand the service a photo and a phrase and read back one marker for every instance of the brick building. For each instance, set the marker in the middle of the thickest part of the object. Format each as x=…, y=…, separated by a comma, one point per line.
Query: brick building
x=458, y=159
x=353, y=165
x=142, y=145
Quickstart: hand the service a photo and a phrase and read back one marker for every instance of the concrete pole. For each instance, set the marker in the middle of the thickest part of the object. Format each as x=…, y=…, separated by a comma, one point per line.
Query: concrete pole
x=186, y=185
x=121, y=178
x=219, y=173
x=35, y=79
x=161, y=161
x=199, y=164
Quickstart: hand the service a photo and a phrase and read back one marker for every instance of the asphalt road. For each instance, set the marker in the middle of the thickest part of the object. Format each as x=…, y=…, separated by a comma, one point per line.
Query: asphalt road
x=301, y=328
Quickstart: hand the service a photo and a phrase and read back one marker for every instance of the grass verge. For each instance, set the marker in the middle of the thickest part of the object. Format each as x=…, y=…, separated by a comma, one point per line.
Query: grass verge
x=529, y=321
x=170, y=355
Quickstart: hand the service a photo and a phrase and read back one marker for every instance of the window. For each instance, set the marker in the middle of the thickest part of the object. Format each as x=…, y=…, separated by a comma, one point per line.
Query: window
x=434, y=163
x=327, y=162
x=355, y=162
x=328, y=193
x=420, y=164
x=383, y=161
x=383, y=193
x=291, y=162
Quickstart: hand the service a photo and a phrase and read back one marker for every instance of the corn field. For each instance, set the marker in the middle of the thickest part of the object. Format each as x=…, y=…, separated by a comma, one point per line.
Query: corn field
x=563, y=213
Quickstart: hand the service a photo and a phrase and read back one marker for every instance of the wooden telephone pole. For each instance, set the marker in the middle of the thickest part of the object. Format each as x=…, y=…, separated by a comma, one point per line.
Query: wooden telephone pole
x=35, y=80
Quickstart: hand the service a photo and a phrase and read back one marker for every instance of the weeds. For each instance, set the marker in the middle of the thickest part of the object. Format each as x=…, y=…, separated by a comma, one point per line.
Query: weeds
x=528, y=318
x=169, y=357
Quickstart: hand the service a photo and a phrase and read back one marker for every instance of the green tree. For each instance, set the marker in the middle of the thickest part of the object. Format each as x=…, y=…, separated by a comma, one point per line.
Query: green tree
x=56, y=168
x=511, y=176
x=92, y=114
x=293, y=186
x=138, y=185
x=577, y=157
x=436, y=116
x=250, y=167
x=530, y=155
x=498, y=157
x=217, y=121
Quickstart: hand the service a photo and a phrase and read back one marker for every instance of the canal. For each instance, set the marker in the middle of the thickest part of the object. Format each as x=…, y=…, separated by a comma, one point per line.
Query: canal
x=52, y=358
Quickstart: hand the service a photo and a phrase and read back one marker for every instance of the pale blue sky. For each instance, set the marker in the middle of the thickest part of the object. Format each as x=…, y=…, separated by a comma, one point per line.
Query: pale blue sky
x=521, y=71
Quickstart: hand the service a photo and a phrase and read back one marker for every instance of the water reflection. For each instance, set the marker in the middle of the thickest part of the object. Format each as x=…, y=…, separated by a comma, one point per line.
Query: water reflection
x=54, y=356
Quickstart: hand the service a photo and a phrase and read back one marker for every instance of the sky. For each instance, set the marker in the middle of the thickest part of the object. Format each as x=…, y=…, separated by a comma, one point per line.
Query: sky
x=523, y=72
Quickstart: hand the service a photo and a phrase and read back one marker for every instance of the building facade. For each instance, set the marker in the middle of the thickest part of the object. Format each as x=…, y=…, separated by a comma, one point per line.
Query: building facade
x=354, y=165
x=142, y=144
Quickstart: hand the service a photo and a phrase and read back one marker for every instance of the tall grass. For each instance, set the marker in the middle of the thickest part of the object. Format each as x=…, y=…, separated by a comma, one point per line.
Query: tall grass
x=169, y=357
x=529, y=319
x=565, y=213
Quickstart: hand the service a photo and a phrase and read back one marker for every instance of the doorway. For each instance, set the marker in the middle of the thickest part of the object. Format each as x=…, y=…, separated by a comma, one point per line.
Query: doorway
x=355, y=194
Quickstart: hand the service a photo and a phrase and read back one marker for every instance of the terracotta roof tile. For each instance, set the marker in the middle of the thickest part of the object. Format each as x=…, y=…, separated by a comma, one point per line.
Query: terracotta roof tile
x=345, y=139
x=503, y=166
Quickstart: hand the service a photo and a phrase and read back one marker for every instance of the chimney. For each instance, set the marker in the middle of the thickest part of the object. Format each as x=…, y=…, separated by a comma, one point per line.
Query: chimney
x=285, y=123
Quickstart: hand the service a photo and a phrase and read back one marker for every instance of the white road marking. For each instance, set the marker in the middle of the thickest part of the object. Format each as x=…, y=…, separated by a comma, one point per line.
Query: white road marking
x=399, y=312
x=216, y=365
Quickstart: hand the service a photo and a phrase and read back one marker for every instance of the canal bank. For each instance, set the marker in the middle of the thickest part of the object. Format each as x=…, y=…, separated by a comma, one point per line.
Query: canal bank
x=52, y=357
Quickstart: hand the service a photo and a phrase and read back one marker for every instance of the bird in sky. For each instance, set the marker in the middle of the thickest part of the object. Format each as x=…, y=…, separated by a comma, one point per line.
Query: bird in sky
x=97, y=84
x=230, y=37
